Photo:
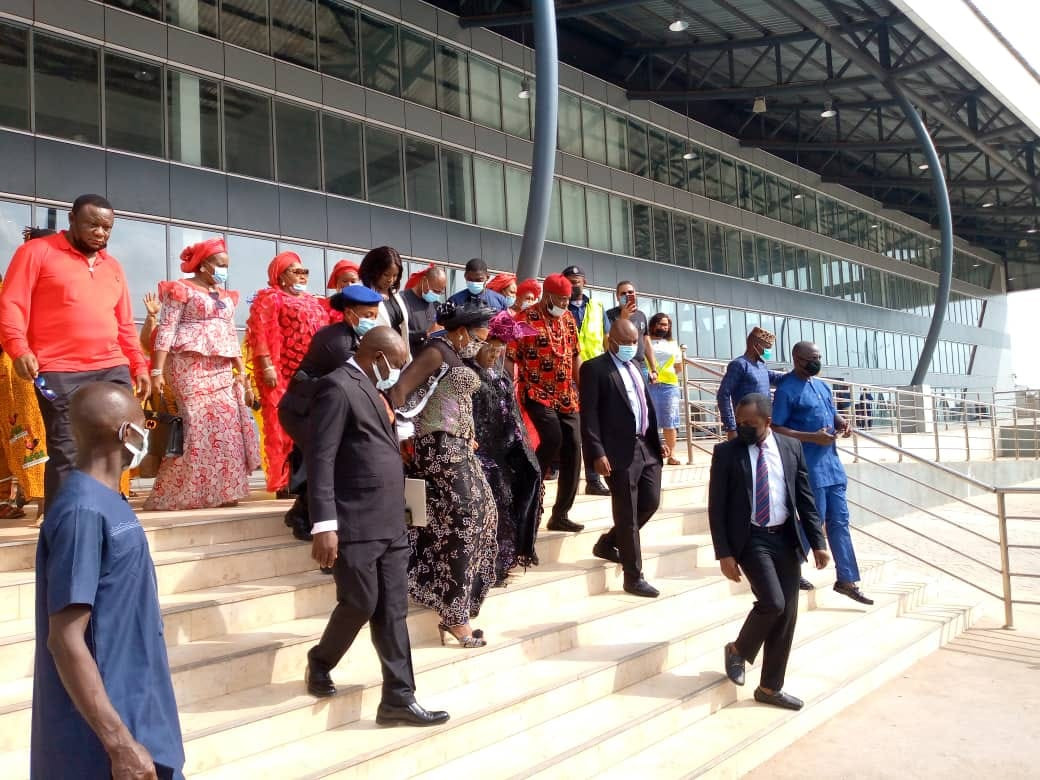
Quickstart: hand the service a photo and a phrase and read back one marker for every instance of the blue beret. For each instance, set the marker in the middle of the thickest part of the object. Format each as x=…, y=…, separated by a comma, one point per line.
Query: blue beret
x=356, y=294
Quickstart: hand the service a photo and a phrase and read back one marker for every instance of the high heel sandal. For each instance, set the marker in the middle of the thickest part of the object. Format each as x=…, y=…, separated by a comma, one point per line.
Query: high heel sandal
x=474, y=639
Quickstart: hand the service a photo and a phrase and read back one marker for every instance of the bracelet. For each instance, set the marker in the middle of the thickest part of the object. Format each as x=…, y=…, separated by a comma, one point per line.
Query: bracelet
x=270, y=368
x=157, y=372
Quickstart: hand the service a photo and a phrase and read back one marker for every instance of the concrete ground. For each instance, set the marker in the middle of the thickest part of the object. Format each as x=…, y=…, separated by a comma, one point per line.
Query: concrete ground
x=970, y=710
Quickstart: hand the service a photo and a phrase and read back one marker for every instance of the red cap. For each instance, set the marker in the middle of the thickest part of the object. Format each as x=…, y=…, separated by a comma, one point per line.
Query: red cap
x=557, y=284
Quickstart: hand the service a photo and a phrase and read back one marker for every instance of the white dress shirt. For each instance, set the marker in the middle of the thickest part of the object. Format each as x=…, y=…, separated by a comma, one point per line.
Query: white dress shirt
x=636, y=396
x=778, y=513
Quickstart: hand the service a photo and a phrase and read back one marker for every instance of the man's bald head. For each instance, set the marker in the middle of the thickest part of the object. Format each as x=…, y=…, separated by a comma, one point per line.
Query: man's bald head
x=97, y=411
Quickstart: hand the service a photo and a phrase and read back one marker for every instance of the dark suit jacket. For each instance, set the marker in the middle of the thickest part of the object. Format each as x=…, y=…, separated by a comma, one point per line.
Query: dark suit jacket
x=730, y=500
x=608, y=426
x=329, y=349
x=354, y=468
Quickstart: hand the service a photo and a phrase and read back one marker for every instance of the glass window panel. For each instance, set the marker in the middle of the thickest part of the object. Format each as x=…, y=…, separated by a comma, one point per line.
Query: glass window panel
x=643, y=244
x=338, y=40
x=518, y=189
x=712, y=184
x=244, y=22
x=809, y=211
x=830, y=335
x=516, y=117
x=759, y=201
x=662, y=237
x=296, y=133
x=198, y=16
x=695, y=170
x=489, y=181
x=737, y=332
x=418, y=68
x=790, y=267
x=681, y=241
x=816, y=272
x=593, y=131
x=716, y=249
x=569, y=128
x=747, y=241
x=383, y=167
x=247, y=133
x=292, y=31
x=555, y=231
x=617, y=140
x=705, y=331
x=762, y=256
x=676, y=163
x=598, y=204
x=620, y=225
x=573, y=203
x=453, y=82
x=193, y=118
x=379, y=64
x=734, y=263
x=142, y=246
x=786, y=201
x=772, y=197
x=744, y=186
x=133, y=105
x=776, y=263
x=343, y=168
x=457, y=178
x=842, y=355
x=245, y=276
x=685, y=327
x=699, y=244
x=67, y=95
x=722, y=332
x=825, y=207
x=484, y=97
x=658, y=155
x=637, y=149
x=14, y=217
x=422, y=176
x=14, y=77
x=728, y=181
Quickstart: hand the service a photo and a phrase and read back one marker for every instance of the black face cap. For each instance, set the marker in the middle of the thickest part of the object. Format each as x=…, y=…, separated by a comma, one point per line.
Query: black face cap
x=574, y=270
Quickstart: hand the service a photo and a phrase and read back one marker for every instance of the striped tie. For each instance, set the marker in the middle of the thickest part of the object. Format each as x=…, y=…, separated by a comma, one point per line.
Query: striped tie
x=761, y=487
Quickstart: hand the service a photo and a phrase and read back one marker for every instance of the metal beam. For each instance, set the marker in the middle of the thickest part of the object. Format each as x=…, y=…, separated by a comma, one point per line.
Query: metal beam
x=563, y=12
x=846, y=146
x=765, y=41
x=996, y=212
x=916, y=183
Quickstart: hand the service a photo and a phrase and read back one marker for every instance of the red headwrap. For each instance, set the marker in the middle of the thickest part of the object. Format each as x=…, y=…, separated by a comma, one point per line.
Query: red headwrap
x=414, y=279
x=192, y=256
x=529, y=286
x=338, y=268
x=558, y=284
x=501, y=282
x=277, y=266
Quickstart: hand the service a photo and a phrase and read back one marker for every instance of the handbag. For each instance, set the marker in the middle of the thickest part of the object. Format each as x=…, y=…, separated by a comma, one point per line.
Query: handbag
x=165, y=436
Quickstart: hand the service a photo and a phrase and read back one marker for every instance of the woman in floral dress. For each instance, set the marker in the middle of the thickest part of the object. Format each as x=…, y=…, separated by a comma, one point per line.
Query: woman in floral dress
x=196, y=352
x=282, y=319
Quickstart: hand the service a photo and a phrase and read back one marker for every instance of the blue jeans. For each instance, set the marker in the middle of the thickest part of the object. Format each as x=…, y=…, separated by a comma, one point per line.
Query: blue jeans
x=834, y=511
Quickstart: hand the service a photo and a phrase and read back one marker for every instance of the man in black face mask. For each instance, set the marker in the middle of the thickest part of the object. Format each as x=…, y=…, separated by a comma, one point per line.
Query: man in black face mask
x=763, y=520
x=803, y=408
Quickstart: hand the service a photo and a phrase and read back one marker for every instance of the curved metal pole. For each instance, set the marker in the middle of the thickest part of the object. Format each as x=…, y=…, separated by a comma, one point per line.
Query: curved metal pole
x=544, y=165
x=942, y=203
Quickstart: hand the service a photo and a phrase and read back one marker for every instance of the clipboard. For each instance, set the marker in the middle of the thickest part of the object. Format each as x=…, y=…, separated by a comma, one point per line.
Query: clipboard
x=415, y=502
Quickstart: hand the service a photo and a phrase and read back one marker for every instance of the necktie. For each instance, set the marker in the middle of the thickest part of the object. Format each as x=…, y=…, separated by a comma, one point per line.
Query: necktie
x=389, y=411
x=637, y=385
x=761, y=487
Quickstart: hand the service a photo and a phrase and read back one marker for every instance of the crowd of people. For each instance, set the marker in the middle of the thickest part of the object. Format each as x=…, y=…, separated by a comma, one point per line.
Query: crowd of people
x=481, y=399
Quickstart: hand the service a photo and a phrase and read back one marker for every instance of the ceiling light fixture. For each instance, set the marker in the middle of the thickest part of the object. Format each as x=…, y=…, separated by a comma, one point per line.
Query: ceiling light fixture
x=759, y=106
x=922, y=167
x=690, y=155
x=988, y=204
x=828, y=110
x=798, y=196
x=525, y=89
x=679, y=25
x=1033, y=230
x=875, y=226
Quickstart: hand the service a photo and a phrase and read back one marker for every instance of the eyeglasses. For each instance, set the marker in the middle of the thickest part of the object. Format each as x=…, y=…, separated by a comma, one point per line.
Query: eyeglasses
x=216, y=299
x=300, y=271
x=46, y=392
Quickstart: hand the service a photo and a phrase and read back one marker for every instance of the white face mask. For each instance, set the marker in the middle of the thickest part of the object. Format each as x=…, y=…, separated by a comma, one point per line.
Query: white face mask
x=393, y=374
x=557, y=311
x=136, y=451
x=300, y=288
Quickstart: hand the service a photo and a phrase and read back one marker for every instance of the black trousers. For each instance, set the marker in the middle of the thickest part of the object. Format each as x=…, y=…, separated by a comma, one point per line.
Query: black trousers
x=372, y=586
x=773, y=568
x=635, y=494
x=292, y=413
x=559, y=435
x=61, y=444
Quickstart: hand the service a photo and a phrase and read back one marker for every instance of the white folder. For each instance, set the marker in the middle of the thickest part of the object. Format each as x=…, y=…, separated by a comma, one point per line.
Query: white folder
x=415, y=501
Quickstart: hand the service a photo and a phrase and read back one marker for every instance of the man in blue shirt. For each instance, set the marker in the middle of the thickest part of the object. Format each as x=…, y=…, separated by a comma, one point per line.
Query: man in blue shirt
x=745, y=375
x=103, y=703
x=476, y=288
x=803, y=409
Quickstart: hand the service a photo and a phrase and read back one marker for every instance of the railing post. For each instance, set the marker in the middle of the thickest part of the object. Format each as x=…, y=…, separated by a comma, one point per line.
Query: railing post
x=685, y=400
x=967, y=443
x=1014, y=427
x=993, y=424
x=1005, y=561
x=935, y=426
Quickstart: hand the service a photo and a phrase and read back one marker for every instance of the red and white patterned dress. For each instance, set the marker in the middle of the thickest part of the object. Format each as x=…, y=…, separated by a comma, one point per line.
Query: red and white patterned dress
x=221, y=448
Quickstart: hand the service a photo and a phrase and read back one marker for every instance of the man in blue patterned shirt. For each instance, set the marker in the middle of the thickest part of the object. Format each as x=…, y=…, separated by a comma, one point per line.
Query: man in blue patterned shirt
x=745, y=375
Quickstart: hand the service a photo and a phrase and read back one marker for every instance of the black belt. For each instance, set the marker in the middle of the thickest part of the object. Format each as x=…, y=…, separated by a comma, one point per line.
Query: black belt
x=768, y=529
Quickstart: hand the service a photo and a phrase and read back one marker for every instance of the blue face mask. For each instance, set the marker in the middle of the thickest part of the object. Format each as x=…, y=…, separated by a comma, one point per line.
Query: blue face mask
x=767, y=354
x=475, y=288
x=430, y=296
x=364, y=325
x=625, y=352
x=510, y=300
x=219, y=274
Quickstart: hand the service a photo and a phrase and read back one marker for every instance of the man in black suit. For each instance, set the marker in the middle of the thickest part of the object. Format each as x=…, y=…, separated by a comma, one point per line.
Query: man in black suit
x=619, y=433
x=763, y=520
x=356, y=498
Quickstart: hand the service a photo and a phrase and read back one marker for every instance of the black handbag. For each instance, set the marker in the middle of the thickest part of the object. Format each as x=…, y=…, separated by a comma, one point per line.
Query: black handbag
x=165, y=436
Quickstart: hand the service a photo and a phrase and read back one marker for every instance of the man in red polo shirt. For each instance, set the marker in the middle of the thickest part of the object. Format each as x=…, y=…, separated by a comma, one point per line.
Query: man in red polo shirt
x=547, y=379
x=66, y=320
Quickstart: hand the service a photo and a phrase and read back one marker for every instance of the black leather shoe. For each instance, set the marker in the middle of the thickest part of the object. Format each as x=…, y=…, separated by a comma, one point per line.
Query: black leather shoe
x=596, y=488
x=779, y=699
x=563, y=524
x=734, y=665
x=852, y=590
x=804, y=584
x=409, y=715
x=319, y=683
x=605, y=550
x=640, y=587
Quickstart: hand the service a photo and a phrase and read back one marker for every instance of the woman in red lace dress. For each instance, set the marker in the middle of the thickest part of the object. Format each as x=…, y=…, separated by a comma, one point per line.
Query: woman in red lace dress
x=343, y=273
x=282, y=319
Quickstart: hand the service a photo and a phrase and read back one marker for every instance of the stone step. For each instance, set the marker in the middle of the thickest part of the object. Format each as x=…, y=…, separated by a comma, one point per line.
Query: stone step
x=489, y=710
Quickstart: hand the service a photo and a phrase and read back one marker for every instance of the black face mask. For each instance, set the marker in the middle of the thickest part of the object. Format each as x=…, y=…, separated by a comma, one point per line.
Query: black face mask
x=812, y=367
x=747, y=434
x=577, y=293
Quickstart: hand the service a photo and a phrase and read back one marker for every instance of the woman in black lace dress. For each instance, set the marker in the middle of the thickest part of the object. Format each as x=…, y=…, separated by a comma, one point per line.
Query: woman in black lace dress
x=453, y=557
x=504, y=452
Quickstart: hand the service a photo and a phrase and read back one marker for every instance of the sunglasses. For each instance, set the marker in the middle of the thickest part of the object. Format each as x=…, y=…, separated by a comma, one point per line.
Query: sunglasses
x=216, y=299
x=46, y=392
x=300, y=271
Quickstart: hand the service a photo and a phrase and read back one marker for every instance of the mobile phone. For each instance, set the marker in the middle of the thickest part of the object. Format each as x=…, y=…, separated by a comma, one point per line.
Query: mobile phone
x=631, y=297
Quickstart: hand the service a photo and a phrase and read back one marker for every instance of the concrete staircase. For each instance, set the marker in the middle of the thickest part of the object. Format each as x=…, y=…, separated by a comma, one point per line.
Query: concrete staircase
x=579, y=679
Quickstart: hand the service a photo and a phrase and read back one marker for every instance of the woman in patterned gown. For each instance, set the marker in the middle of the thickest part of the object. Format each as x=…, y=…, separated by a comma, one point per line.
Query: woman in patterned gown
x=282, y=319
x=196, y=351
x=452, y=564
x=505, y=454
